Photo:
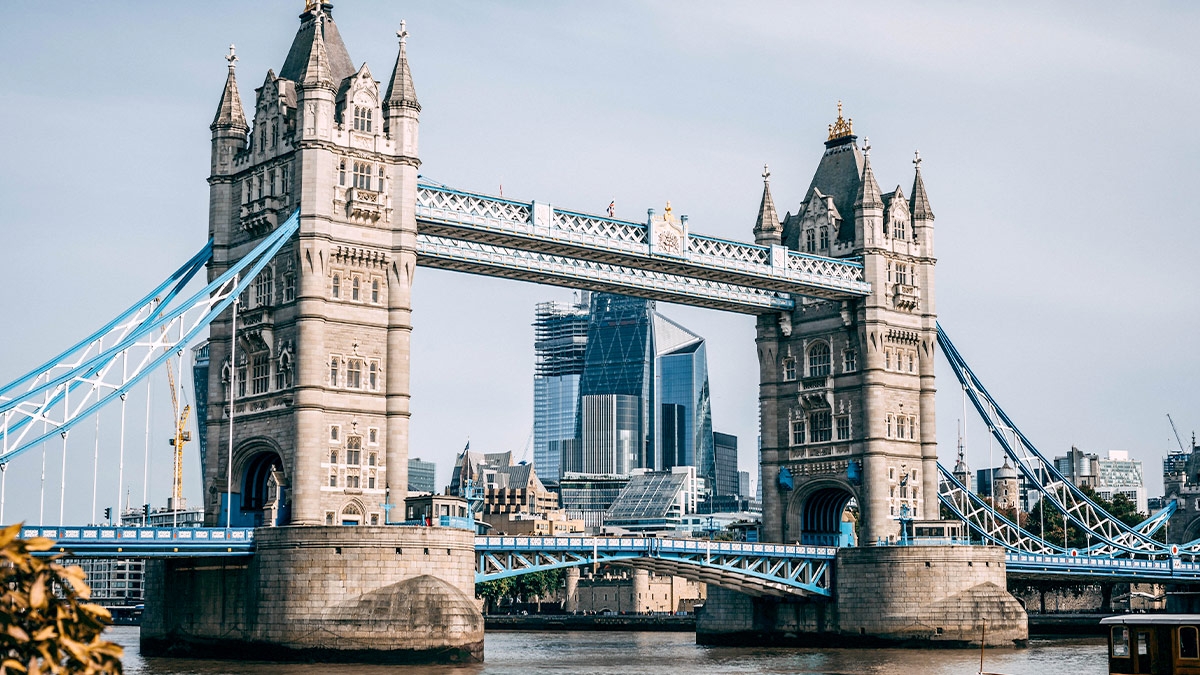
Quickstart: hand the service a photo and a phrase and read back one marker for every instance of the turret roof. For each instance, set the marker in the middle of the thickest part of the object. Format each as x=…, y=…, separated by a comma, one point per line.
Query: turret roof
x=229, y=110
x=920, y=200
x=768, y=217
x=400, y=91
x=299, y=59
x=868, y=189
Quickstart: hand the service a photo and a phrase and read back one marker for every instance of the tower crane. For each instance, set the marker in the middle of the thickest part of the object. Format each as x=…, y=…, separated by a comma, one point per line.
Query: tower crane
x=182, y=435
x=1176, y=431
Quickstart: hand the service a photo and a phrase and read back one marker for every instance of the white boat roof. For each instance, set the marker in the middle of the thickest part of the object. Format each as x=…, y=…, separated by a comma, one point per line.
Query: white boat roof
x=1152, y=619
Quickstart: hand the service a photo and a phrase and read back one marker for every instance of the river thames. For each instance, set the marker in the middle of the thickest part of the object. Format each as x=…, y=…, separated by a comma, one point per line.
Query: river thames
x=512, y=653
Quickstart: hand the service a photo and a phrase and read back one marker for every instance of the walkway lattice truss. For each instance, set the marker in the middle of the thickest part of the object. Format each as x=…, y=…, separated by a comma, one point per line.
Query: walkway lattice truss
x=757, y=569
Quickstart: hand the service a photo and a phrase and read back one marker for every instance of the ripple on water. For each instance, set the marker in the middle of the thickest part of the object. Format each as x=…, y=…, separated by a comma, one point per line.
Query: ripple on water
x=583, y=653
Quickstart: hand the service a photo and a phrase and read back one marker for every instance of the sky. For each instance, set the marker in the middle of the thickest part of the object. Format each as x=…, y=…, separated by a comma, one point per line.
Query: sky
x=1059, y=145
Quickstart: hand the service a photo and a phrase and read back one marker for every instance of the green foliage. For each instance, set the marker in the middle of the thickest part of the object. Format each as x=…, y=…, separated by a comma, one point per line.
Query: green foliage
x=524, y=586
x=1049, y=525
x=45, y=625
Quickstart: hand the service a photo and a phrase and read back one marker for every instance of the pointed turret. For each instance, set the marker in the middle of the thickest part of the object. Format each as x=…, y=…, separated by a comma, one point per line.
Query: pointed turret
x=316, y=71
x=869, y=195
x=401, y=110
x=400, y=91
x=920, y=200
x=767, y=230
x=229, y=112
x=317, y=21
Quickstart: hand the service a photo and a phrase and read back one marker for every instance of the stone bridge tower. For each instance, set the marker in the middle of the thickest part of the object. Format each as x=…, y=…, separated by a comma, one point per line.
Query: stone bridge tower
x=320, y=378
x=847, y=388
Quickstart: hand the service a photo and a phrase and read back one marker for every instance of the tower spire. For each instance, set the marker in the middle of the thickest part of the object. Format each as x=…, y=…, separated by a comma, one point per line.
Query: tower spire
x=229, y=112
x=316, y=70
x=869, y=196
x=920, y=200
x=767, y=229
x=400, y=91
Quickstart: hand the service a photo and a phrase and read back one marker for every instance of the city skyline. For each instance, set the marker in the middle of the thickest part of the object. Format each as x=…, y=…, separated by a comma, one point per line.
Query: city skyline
x=1033, y=290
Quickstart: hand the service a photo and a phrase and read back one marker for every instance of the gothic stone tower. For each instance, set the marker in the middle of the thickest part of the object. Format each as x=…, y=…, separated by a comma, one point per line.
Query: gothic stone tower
x=321, y=379
x=847, y=388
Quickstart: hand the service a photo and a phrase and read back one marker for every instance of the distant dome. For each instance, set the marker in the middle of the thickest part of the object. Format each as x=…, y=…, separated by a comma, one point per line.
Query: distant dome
x=1006, y=472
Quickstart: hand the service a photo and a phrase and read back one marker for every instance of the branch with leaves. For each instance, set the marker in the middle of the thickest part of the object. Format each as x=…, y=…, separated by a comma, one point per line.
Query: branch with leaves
x=46, y=623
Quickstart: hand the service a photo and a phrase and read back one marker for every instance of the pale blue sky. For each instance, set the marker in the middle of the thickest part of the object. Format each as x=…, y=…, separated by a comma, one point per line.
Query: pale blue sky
x=1059, y=144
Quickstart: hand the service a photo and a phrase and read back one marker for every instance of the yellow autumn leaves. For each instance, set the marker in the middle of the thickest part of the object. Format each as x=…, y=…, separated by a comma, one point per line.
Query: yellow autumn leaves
x=46, y=625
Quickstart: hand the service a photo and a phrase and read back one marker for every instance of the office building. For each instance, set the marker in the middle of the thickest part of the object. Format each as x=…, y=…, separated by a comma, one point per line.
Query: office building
x=422, y=475
x=560, y=339
x=727, y=478
x=587, y=497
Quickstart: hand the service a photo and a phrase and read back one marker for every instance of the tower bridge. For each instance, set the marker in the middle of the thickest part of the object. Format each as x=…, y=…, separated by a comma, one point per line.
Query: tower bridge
x=318, y=221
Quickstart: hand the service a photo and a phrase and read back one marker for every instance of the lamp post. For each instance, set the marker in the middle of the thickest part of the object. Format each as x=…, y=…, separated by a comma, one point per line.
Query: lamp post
x=387, y=504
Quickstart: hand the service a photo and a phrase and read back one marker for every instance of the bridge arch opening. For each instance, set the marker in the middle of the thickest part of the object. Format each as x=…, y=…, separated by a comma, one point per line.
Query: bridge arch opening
x=827, y=516
x=263, y=489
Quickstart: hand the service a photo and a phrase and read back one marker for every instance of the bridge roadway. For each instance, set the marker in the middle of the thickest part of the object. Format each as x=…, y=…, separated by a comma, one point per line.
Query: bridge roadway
x=753, y=568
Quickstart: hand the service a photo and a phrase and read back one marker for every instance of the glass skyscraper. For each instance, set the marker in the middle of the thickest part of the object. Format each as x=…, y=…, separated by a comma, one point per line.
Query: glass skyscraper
x=560, y=336
x=631, y=391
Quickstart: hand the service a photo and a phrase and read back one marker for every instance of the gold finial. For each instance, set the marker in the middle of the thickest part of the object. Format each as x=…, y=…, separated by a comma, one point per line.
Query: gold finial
x=312, y=5
x=842, y=127
x=668, y=209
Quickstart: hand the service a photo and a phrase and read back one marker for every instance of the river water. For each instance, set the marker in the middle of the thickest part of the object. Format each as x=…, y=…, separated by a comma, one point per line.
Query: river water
x=586, y=653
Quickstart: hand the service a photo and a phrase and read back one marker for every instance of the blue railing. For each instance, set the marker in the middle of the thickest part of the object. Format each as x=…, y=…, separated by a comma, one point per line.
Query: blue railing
x=157, y=541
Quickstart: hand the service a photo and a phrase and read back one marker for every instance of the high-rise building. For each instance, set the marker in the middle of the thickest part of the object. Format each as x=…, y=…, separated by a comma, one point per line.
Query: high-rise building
x=1121, y=475
x=422, y=475
x=727, y=480
x=744, y=484
x=560, y=339
x=619, y=387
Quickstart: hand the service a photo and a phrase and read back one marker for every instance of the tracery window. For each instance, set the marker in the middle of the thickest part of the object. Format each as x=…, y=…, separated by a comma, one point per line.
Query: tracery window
x=821, y=428
x=849, y=361
x=818, y=360
x=372, y=376
x=354, y=373
x=342, y=172
x=263, y=288
x=333, y=371
x=354, y=288
x=789, y=369
x=362, y=175
x=824, y=237
x=337, y=286
x=810, y=241
x=362, y=118
x=260, y=370
x=797, y=432
x=375, y=290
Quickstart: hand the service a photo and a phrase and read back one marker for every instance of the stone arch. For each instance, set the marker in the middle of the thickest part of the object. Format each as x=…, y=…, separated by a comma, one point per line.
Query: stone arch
x=352, y=513
x=815, y=511
x=1192, y=531
x=258, y=471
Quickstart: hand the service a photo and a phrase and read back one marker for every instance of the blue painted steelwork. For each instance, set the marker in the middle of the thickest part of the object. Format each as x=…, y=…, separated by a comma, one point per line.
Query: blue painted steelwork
x=145, y=542
x=151, y=335
x=758, y=569
x=1072, y=566
x=1112, y=537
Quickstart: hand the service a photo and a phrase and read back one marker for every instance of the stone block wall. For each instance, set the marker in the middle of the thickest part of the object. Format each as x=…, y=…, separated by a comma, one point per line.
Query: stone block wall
x=388, y=594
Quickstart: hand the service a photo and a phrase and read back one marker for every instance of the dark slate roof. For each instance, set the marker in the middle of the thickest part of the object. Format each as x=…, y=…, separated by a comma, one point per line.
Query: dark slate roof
x=920, y=200
x=229, y=110
x=838, y=176
x=340, y=65
x=400, y=91
x=768, y=217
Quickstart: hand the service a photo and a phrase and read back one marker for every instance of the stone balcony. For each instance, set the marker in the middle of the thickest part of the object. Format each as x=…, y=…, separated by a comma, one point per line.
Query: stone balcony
x=816, y=392
x=261, y=215
x=364, y=204
x=257, y=325
x=906, y=297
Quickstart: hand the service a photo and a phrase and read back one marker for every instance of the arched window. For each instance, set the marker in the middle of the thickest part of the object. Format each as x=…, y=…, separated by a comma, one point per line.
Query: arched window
x=337, y=286
x=354, y=373
x=373, y=376
x=380, y=185
x=818, y=360
x=351, y=515
x=374, y=290
x=789, y=369
x=824, y=237
x=333, y=457
x=342, y=172
x=333, y=372
x=362, y=175
x=900, y=229
x=810, y=241
x=1189, y=643
x=354, y=288
x=274, y=134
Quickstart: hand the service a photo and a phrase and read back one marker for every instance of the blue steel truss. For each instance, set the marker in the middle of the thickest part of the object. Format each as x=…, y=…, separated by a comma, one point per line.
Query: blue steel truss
x=533, y=241
x=145, y=542
x=757, y=569
x=1112, y=538
x=109, y=362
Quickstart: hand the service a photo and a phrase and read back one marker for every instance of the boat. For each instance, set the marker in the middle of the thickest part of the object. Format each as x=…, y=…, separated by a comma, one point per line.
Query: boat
x=1158, y=644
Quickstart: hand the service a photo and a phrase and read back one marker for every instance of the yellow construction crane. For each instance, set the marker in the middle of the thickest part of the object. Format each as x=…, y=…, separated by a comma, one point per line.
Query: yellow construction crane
x=182, y=435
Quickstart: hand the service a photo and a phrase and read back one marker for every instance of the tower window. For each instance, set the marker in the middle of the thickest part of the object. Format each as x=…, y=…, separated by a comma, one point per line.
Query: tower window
x=333, y=372
x=289, y=287
x=849, y=361
x=797, y=432
x=263, y=288
x=362, y=118
x=241, y=375
x=372, y=438
x=371, y=459
x=902, y=274
x=354, y=288
x=910, y=362
x=887, y=359
x=900, y=234
x=821, y=427
x=789, y=369
x=260, y=371
x=818, y=360
x=843, y=428
x=332, y=483
x=274, y=134
x=810, y=241
x=354, y=373
x=334, y=431
x=333, y=457
x=890, y=420
x=375, y=290
x=342, y=173
x=337, y=286
x=824, y=237
x=373, y=376
x=362, y=175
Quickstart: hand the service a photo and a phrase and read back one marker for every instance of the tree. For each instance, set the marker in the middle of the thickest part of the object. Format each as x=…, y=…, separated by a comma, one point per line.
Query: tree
x=492, y=591
x=45, y=625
